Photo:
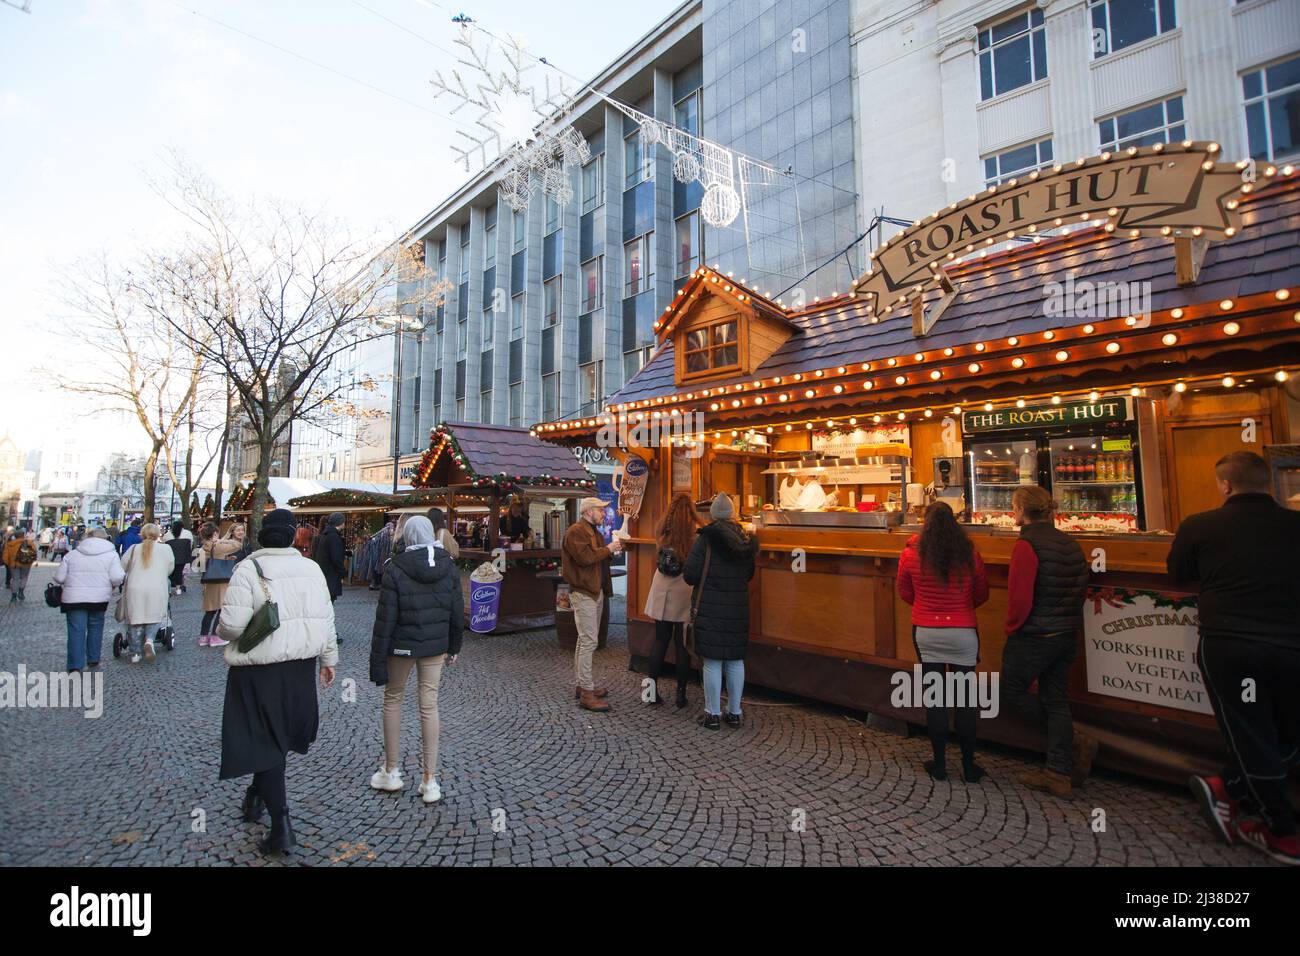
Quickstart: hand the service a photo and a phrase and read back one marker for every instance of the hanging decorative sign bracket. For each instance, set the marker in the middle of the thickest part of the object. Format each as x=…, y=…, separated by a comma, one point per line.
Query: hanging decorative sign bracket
x=923, y=319
x=1189, y=253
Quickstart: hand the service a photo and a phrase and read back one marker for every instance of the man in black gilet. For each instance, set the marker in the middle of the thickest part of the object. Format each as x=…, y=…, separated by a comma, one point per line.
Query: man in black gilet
x=1046, y=585
x=1243, y=557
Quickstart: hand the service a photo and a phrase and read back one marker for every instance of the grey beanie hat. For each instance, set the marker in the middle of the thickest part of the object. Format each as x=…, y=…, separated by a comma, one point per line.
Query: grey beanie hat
x=338, y=519
x=722, y=509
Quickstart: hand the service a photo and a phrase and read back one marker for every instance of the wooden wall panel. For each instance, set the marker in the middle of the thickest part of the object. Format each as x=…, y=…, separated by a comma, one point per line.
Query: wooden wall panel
x=813, y=610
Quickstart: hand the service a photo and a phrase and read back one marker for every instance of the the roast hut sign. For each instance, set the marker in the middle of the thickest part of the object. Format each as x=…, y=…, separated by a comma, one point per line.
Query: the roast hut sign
x=1178, y=190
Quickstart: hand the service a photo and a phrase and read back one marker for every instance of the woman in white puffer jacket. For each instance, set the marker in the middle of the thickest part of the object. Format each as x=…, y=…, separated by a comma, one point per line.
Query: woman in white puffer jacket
x=88, y=577
x=271, y=705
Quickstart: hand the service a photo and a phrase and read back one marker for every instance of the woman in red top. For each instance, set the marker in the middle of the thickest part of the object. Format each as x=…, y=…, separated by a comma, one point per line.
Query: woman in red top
x=942, y=576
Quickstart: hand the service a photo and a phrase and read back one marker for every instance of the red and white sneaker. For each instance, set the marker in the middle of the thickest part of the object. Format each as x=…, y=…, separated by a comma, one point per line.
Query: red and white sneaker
x=1217, y=808
x=1284, y=849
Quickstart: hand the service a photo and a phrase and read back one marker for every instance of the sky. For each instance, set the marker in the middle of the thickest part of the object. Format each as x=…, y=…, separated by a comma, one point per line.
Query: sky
x=93, y=93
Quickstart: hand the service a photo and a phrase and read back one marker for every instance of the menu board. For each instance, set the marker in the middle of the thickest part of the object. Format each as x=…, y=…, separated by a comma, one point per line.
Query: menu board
x=842, y=444
x=681, y=469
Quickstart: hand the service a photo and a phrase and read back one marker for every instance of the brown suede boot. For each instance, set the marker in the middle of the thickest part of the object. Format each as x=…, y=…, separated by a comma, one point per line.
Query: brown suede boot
x=598, y=692
x=1053, y=781
x=1084, y=750
x=587, y=700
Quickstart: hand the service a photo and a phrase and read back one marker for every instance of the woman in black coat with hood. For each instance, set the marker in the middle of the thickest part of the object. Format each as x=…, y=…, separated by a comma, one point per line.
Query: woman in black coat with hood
x=418, y=626
x=722, y=622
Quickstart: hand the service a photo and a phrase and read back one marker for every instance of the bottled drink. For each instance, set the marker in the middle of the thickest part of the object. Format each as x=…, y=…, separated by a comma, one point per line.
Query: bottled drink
x=1090, y=468
x=1107, y=468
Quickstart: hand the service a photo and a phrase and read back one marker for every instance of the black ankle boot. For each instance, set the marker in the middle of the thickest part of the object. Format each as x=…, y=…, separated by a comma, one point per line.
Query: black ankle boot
x=681, y=696
x=254, y=806
x=281, y=838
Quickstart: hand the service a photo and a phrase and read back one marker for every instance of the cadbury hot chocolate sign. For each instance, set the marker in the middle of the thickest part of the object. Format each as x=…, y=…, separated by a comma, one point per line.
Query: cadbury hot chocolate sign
x=1178, y=190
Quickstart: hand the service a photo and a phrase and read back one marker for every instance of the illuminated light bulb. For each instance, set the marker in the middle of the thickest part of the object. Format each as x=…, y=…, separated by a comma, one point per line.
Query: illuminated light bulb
x=919, y=356
x=1229, y=381
x=892, y=362
x=819, y=373
x=1056, y=399
x=853, y=421
x=1112, y=347
x=1131, y=321
x=1089, y=329
x=868, y=386
x=948, y=353
x=809, y=393
x=1013, y=341
x=777, y=380
x=1062, y=355
x=936, y=375
x=798, y=376
x=1176, y=314
x=789, y=428
x=988, y=406
x=876, y=419
x=866, y=366
x=735, y=403
x=1135, y=391
x=1231, y=328
x=769, y=429
x=1282, y=295
x=1049, y=335
x=1017, y=362
x=841, y=370
x=1093, y=396
x=973, y=367
x=713, y=406
x=928, y=413
x=1226, y=305
x=956, y=409
x=1180, y=387
x=902, y=416
x=838, y=389
x=1169, y=339
x=1281, y=375
x=979, y=347
x=900, y=380
x=759, y=400
x=1020, y=403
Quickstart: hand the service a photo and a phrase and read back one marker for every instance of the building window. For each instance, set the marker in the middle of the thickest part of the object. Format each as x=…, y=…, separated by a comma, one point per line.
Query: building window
x=551, y=397
x=638, y=265
x=490, y=246
x=591, y=379
x=593, y=184
x=1272, y=98
x=485, y=407
x=517, y=317
x=516, y=406
x=591, y=284
x=686, y=113
x=711, y=348
x=1013, y=53
x=460, y=409
x=1144, y=126
x=1117, y=24
x=637, y=167
x=520, y=220
x=489, y=328
x=633, y=361
x=1000, y=167
x=552, y=214
x=551, y=302
x=688, y=243
x=464, y=257
x=462, y=339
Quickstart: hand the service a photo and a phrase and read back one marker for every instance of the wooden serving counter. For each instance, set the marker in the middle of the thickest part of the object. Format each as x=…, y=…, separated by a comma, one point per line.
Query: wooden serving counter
x=826, y=622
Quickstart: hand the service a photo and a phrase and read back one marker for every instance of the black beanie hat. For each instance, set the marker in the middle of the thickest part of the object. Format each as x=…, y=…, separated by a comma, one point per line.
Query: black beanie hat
x=278, y=529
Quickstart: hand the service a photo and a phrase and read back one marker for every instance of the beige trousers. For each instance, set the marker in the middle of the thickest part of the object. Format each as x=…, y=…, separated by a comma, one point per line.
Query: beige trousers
x=428, y=676
x=586, y=617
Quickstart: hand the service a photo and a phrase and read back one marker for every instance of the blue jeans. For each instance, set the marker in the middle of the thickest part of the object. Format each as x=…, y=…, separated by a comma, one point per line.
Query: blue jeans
x=85, y=637
x=713, y=671
x=144, y=633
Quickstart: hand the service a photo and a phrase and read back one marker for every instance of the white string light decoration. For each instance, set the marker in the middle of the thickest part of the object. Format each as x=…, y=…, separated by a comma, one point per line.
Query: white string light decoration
x=518, y=120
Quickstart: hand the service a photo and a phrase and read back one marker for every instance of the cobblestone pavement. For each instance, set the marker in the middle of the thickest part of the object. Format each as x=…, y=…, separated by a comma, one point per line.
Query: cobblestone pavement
x=640, y=785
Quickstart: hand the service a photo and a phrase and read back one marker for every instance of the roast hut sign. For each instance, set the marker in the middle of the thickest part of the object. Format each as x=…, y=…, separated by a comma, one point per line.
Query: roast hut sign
x=1180, y=191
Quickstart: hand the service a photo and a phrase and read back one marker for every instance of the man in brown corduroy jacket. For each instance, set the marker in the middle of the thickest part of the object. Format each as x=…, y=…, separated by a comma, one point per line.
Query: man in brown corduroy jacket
x=585, y=566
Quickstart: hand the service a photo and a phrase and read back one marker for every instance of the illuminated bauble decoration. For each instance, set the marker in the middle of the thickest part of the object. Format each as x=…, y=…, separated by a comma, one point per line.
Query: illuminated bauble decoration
x=686, y=167
x=720, y=205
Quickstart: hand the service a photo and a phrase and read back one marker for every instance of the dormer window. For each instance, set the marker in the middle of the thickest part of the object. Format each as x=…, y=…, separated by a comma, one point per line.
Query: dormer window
x=712, y=348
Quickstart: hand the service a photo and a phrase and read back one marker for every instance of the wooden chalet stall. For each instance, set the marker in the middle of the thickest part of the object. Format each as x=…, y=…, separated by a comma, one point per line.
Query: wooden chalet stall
x=472, y=472
x=1112, y=363
x=365, y=511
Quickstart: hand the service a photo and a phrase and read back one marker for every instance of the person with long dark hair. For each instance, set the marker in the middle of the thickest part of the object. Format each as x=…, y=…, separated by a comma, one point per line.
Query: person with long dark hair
x=942, y=576
x=669, y=599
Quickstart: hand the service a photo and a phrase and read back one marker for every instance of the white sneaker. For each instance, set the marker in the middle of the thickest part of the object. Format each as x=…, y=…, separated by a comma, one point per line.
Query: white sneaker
x=383, y=780
x=135, y=658
x=149, y=653
x=430, y=791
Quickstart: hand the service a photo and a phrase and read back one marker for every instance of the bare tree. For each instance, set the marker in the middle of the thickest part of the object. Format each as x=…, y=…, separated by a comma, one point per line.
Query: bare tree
x=278, y=292
x=146, y=361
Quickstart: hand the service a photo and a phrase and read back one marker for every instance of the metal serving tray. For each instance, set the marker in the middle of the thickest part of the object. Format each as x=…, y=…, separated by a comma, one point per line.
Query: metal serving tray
x=832, y=519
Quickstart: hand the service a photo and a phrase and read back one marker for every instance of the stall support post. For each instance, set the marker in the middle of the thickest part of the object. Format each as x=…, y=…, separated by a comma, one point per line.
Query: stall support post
x=493, y=518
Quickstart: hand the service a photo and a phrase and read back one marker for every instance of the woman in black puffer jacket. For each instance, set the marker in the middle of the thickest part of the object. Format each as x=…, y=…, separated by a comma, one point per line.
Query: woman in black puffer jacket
x=722, y=621
x=418, y=625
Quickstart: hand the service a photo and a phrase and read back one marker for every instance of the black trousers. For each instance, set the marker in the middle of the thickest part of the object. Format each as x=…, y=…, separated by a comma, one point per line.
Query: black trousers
x=1044, y=658
x=1261, y=729
x=209, y=624
x=936, y=718
x=665, y=632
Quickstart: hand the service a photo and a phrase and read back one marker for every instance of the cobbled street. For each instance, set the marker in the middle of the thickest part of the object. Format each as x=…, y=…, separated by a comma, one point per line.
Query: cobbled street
x=641, y=785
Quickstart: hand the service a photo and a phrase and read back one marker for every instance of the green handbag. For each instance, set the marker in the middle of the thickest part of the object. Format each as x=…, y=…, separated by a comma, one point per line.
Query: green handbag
x=264, y=620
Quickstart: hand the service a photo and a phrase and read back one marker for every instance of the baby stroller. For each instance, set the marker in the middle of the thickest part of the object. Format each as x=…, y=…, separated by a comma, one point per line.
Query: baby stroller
x=166, y=636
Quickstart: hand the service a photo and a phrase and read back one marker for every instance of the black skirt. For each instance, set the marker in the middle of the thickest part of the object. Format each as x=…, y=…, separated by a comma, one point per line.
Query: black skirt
x=270, y=709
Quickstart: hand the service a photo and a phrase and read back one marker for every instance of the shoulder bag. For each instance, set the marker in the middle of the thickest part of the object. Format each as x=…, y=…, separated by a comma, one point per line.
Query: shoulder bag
x=264, y=620
x=53, y=594
x=218, y=570
x=668, y=565
x=688, y=628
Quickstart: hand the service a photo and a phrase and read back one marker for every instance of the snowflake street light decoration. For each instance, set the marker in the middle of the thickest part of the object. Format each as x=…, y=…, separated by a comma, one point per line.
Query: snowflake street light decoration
x=516, y=118
x=694, y=159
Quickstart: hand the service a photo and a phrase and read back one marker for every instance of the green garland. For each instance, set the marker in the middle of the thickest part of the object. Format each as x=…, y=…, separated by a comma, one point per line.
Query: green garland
x=442, y=435
x=526, y=564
